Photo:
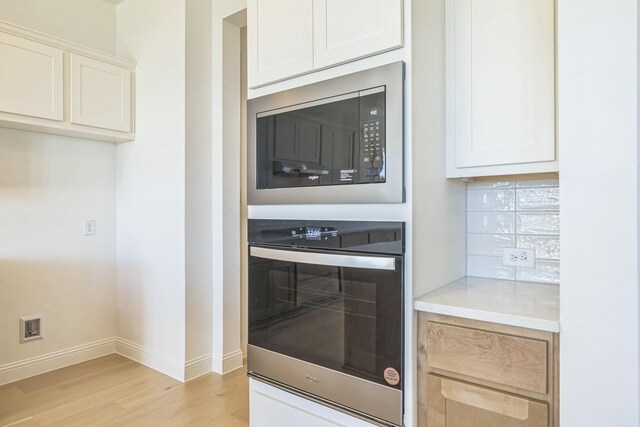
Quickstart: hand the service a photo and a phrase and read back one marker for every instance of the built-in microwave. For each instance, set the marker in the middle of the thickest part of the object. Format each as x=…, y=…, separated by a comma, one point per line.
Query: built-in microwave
x=335, y=141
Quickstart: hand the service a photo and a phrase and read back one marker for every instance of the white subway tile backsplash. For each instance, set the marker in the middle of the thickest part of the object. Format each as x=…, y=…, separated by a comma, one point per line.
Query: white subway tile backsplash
x=546, y=247
x=491, y=222
x=488, y=266
x=538, y=199
x=487, y=185
x=507, y=214
x=538, y=183
x=490, y=200
x=545, y=271
x=489, y=244
x=538, y=223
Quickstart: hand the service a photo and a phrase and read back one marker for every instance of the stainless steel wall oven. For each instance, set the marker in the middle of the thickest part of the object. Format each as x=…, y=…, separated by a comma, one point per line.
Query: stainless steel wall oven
x=326, y=312
x=336, y=141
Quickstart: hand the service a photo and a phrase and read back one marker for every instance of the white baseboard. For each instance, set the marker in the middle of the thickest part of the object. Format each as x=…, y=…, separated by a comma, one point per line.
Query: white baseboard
x=194, y=368
x=151, y=358
x=22, y=369
x=229, y=362
x=197, y=367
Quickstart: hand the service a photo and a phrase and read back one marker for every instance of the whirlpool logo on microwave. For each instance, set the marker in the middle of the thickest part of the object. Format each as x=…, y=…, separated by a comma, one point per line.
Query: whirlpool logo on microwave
x=311, y=378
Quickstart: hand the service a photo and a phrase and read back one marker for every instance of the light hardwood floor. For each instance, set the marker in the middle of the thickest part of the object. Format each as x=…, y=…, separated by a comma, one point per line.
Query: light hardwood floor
x=115, y=391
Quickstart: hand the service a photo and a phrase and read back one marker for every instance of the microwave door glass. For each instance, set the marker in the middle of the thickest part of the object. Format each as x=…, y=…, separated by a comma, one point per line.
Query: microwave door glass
x=336, y=143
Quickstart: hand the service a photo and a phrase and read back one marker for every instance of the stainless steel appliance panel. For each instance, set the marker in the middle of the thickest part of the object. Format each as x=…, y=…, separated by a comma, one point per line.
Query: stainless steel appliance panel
x=353, y=393
x=340, y=89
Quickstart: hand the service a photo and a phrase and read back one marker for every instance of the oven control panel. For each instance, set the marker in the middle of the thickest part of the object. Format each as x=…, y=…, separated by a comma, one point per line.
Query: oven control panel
x=361, y=236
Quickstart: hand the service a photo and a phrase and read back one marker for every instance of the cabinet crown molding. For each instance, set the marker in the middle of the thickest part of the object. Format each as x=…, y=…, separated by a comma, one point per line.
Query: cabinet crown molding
x=62, y=88
x=36, y=36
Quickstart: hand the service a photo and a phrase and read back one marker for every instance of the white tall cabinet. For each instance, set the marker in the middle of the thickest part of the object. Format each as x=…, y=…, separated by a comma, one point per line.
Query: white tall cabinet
x=346, y=30
x=500, y=61
x=279, y=38
x=287, y=38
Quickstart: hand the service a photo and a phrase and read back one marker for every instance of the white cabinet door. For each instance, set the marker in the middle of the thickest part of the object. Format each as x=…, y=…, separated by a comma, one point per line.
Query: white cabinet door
x=100, y=94
x=31, y=78
x=347, y=30
x=500, y=83
x=279, y=38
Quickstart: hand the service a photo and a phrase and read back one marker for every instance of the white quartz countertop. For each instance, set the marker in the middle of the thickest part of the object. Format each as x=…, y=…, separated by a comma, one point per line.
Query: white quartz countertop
x=524, y=304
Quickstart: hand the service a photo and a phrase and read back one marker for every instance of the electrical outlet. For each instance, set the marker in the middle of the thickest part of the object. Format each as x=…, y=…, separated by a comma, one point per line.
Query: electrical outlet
x=31, y=328
x=89, y=227
x=515, y=257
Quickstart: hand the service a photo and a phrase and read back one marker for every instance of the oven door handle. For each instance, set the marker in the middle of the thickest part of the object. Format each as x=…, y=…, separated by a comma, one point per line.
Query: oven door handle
x=336, y=260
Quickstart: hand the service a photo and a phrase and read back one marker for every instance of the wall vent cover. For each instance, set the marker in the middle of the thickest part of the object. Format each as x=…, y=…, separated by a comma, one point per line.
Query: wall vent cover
x=31, y=328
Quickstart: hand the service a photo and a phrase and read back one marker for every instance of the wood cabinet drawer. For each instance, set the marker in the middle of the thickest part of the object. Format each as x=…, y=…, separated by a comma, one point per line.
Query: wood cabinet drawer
x=503, y=359
x=457, y=404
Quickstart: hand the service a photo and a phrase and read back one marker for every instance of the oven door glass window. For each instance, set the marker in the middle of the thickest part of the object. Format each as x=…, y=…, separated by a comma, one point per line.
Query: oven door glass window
x=348, y=319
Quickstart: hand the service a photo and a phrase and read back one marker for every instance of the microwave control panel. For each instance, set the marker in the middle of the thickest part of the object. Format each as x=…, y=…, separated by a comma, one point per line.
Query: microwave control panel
x=372, y=138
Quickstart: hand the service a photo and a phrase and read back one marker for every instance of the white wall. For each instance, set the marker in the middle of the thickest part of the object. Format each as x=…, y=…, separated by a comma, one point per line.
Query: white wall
x=87, y=22
x=438, y=204
x=228, y=19
x=48, y=185
x=598, y=136
x=199, y=274
x=151, y=186
x=244, y=248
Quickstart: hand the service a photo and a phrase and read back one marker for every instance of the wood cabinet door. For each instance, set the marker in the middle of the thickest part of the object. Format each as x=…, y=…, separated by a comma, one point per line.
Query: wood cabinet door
x=347, y=30
x=500, y=61
x=101, y=94
x=503, y=359
x=456, y=404
x=31, y=78
x=279, y=39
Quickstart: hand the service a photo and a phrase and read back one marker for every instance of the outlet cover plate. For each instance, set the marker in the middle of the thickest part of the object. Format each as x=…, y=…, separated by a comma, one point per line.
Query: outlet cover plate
x=515, y=257
x=89, y=227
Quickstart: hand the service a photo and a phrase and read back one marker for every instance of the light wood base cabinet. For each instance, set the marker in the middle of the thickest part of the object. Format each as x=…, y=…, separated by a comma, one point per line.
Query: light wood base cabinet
x=458, y=404
x=480, y=374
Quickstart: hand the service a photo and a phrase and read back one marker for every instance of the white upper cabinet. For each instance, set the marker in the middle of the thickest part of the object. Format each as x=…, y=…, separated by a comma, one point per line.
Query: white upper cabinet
x=52, y=86
x=287, y=38
x=347, y=30
x=500, y=58
x=31, y=78
x=100, y=94
x=279, y=38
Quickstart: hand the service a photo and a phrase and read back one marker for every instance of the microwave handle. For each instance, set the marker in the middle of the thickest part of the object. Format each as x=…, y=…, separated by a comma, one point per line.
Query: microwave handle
x=335, y=260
